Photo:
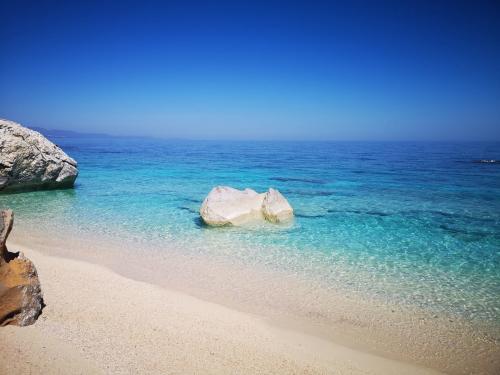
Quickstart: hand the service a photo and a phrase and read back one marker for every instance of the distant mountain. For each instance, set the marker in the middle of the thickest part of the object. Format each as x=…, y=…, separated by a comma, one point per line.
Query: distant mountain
x=56, y=133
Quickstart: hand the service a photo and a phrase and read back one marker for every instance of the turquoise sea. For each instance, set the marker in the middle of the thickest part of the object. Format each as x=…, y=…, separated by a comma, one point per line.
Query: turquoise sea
x=411, y=223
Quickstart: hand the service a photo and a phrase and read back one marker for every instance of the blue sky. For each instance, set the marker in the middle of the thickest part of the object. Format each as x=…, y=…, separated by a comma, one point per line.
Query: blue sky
x=360, y=70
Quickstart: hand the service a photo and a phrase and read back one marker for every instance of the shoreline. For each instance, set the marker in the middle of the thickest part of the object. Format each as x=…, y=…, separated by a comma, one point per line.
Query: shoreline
x=177, y=332
x=402, y=337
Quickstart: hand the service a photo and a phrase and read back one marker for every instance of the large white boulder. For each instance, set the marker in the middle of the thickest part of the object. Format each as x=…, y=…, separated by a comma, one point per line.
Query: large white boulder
x=228, y=206
x=29, y=161
x=225, y=205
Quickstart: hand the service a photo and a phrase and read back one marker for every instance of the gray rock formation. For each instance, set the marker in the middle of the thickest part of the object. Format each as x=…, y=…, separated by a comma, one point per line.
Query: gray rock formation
x=228, y=206
x=29, y=161
x=21, y=299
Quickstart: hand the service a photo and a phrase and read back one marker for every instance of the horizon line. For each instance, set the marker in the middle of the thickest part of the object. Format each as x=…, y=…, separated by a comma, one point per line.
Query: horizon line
x=314, y=140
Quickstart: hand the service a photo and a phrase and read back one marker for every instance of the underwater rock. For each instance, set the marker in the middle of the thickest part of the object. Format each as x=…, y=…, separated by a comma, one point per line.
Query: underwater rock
x=21, y=299
x=29, y=161
x=228, y=206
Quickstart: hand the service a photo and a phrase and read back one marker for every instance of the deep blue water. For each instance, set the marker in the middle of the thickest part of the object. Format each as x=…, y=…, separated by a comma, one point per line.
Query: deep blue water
x=411, y=222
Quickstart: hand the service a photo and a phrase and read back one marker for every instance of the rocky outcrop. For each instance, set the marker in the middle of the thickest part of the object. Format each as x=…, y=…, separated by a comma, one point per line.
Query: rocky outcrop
x=228, y=206
x=487, y=161
x=29, y=161
x=21, y=299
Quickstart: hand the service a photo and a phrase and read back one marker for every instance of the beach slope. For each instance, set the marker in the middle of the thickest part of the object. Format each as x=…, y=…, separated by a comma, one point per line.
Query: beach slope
x=97, y=321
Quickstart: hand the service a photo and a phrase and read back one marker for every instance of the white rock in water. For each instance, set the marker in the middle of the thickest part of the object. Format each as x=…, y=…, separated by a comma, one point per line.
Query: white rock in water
x=275, y=207
x=29, y=161
x=225, y=205
x=228, y=206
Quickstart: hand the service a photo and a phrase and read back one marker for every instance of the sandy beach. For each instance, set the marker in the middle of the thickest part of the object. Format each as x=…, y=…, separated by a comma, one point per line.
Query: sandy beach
x=111, y=309
x=97, y=321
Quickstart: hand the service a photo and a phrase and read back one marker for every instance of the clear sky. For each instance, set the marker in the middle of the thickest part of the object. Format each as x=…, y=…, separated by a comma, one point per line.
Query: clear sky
x=346, y=70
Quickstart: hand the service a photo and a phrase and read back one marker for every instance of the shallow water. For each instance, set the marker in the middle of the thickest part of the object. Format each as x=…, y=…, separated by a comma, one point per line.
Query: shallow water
x=410, y=223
